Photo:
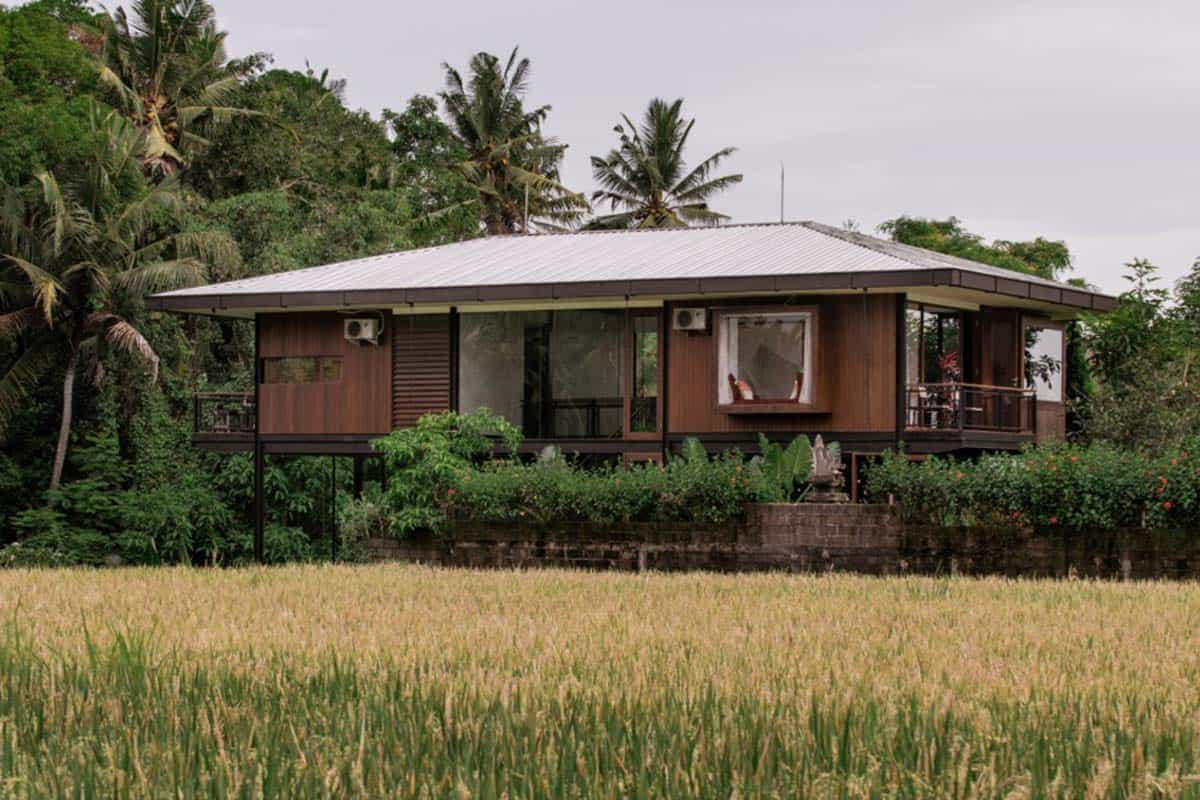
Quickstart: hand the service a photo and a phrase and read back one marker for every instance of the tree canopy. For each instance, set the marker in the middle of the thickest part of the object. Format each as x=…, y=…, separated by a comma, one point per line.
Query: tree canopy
x=647, y=178
x=1042, y=257
x=510, y=164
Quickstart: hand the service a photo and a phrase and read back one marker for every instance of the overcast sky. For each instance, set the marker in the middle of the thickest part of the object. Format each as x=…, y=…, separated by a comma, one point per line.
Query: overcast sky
x=1072, y=121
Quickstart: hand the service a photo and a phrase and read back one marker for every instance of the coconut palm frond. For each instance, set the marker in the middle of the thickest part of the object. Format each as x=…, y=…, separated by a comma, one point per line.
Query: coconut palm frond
x=14, y=323
x=707, y=189
x=127, y=98
x=22, y=376
x=509, y=153
x=642, y=176
x=702, y=214
x=161, y=276
x=87, y=270
x=45, y=286
x=443, y=212
x=220, y=115
x=165, y=65
x=60, y=221
x=217, y=249
x=699, y=175
x=123, y=336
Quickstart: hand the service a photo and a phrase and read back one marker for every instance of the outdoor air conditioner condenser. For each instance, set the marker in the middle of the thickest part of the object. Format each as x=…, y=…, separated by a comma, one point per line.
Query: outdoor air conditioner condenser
x=362, y=330
x=690, y=319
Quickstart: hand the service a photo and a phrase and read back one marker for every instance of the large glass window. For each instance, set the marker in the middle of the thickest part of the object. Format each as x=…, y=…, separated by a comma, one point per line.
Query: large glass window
x=765, y=357
x=557, y=374
x=643, y=401
x=933, y=351
x=1044, y=362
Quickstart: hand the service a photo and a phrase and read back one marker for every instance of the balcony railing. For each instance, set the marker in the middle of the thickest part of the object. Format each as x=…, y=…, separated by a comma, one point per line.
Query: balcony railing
x=224, y=412
x=572, y=418
x=971, y=407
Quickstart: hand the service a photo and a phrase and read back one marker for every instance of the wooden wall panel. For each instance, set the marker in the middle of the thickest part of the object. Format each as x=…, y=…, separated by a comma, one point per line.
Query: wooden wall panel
x=360, y=403
x=857, y=366
x=1051, y=421
x=420, y=367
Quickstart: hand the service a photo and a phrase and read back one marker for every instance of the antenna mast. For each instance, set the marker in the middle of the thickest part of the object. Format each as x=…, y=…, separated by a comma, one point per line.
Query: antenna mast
x=781, y=191
x=525, y=223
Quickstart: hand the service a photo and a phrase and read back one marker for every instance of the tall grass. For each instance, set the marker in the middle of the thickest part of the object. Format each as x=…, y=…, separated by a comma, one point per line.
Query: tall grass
x=403, y=681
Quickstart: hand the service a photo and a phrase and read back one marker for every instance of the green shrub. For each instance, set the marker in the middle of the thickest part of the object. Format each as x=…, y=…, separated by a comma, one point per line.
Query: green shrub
x=364, y=518
x=1097, y=486
x=692, y=487
x=424, y=461
x=786, y=469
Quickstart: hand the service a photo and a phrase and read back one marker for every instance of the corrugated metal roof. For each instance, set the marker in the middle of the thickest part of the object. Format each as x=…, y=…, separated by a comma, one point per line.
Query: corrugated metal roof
x=732, y=251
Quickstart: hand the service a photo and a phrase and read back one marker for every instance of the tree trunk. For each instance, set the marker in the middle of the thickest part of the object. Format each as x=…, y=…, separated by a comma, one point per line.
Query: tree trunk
x=64, y=431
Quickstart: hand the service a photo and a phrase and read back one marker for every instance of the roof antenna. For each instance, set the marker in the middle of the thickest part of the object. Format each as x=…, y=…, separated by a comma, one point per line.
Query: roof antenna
x=525, y=223
x=781, y=192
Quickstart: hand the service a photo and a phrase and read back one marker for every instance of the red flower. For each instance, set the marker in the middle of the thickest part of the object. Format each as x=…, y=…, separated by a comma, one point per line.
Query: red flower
x=449, y=493
x=1054, y=520
x=1074, y=459
x=1168, y=505
x=1159, y=490
x=1174, y=462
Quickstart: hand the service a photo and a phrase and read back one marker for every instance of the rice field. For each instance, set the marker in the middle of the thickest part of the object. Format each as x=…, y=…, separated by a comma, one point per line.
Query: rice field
x=381, y=681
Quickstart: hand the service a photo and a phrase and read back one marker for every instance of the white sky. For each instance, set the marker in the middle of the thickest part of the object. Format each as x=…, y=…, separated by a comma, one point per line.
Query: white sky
x=1069, y=120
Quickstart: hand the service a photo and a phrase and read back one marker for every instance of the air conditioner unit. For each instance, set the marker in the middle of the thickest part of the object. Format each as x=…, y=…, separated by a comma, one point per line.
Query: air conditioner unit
x=362, y=330
x=690, y=319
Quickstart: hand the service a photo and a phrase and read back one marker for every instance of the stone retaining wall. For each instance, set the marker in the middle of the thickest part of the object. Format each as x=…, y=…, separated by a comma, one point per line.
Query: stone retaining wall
x=868, y=539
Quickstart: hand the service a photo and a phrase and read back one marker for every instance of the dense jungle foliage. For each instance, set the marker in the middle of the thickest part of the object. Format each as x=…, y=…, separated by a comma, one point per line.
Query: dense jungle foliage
x=137, y=155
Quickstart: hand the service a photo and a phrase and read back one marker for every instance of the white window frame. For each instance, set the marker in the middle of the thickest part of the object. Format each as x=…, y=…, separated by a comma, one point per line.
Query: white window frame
x=727, y=351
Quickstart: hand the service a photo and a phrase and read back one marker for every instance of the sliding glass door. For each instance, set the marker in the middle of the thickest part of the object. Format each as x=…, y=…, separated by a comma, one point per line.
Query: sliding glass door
x=572, y=374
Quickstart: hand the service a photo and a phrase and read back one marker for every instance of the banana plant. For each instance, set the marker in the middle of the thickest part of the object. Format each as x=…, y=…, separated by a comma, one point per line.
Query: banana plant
x=787, y=468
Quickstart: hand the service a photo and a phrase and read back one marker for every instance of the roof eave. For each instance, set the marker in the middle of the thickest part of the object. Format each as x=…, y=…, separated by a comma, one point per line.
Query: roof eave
x=1014, y=287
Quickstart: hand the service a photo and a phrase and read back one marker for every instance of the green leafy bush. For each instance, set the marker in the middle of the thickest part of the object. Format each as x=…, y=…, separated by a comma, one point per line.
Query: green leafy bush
x=693, y=487
x=786, y=469
x=423, y=463
x=1096, y=486
x=366, y=517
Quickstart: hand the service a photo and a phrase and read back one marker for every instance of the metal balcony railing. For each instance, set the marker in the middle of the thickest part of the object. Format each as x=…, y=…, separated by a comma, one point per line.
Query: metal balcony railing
x=224, y=412
x=971, y=407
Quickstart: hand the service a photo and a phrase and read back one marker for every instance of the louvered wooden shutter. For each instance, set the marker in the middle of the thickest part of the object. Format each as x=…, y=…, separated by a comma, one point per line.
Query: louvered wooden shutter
x=420, y=367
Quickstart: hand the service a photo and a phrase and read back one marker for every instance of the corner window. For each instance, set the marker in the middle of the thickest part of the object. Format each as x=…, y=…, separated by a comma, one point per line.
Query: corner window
x=302, y=369
x=765, y=358
x=1044, y=362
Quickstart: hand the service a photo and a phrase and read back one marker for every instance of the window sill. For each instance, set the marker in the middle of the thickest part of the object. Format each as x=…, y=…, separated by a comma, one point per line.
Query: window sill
x=771, y=408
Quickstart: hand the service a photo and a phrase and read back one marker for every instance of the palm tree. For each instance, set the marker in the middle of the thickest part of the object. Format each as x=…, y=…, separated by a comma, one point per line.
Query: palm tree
x=646, y=176
x=74, y=258
x=510, y=163
x=166, y=67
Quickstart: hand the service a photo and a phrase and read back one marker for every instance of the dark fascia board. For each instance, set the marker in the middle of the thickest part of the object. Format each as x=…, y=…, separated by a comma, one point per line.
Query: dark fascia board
x=1011, y=287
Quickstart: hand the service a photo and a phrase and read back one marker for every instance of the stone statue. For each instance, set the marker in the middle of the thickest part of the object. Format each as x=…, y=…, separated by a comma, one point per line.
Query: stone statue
x=826, y=475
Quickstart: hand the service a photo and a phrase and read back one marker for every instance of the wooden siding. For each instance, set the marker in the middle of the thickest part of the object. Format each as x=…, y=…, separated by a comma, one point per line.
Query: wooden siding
x=420, y=367
x=1051, y=421
x=856, y=381
x=356, y=404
